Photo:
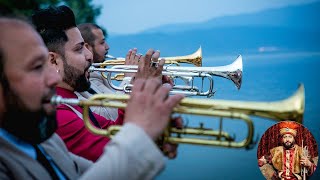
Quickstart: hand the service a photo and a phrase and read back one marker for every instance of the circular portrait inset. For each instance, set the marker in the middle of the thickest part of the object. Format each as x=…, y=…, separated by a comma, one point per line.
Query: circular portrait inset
x=287, y=150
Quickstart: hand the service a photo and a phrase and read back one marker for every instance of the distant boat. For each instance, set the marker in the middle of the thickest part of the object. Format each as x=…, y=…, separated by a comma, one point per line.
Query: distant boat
x=267, y=49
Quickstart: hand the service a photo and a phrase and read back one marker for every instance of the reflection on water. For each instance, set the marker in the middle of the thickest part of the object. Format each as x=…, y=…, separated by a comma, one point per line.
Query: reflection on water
x=266, y=77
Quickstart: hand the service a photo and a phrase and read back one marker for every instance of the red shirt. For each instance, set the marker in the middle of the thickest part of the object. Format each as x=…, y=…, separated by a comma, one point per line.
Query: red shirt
x=77, y=137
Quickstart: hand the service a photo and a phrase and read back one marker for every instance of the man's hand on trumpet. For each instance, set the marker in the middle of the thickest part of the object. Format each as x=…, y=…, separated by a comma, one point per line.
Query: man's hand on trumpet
x=169, y=149
x=150, y=107
x=132, y=58
x=305, y=161
x=147, y=86
x=149, y=65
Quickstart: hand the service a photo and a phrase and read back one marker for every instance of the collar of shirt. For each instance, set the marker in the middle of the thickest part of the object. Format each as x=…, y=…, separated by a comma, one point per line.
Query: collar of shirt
x=29, y=149
x=65, y=93
x=18, y=143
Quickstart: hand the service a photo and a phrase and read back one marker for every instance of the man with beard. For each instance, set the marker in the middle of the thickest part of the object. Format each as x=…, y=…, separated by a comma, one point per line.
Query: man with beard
x=71, y=59
x=286, y=161
x=95, y=38
x=29, y=148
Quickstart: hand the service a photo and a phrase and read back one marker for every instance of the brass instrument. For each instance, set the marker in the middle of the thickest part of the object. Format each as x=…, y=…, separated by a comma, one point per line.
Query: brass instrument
x=194, y=58
x=232, y=72
x=291, y=108
x=305, y=154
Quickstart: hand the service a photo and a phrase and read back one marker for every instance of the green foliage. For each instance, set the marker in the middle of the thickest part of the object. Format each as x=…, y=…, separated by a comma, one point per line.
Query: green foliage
x=83, y=9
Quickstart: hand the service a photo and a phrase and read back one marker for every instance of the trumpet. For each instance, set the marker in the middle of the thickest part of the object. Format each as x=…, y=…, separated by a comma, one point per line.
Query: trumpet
x=305, y=154
x=194, y=58
x=232, y=72
x=291, y=108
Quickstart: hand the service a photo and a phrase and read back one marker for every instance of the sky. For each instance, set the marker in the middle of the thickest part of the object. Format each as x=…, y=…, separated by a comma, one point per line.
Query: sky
x=129, y=17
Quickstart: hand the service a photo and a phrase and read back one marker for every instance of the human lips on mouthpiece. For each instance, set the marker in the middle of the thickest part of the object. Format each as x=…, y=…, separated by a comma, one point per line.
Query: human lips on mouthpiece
x=87, y=72
x=46, y=103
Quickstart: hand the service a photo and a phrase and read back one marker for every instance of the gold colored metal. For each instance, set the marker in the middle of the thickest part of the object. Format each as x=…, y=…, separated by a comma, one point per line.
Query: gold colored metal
x=118, y=77
x=291, y=108
x=195, y=59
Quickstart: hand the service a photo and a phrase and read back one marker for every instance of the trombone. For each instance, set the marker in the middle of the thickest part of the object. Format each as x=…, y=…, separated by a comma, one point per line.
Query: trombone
x=194, y=58
x=291, y=108
x=232, y=72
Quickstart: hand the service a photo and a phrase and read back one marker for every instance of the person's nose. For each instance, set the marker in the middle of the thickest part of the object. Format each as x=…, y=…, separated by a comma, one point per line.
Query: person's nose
x=88, y=55
x=106, y=46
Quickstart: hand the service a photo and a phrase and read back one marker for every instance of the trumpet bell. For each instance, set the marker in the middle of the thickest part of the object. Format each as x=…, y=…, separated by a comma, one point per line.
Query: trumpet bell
x=232, y=71
x=291, y=108
x=195, y=59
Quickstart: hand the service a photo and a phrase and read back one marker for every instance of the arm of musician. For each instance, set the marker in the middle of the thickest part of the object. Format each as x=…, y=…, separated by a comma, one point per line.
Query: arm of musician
x=131, y=153
x=146, y=66
x=262, y=161
x=82, y=164
x=147, y=115
x=304, y=161
x=167, y=79
x=132, y=58
x=169, y=149
x=146, y=70
x=266, y=168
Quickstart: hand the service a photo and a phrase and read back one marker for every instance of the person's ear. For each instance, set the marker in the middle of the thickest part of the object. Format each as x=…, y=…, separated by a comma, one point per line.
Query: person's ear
x=54, y=60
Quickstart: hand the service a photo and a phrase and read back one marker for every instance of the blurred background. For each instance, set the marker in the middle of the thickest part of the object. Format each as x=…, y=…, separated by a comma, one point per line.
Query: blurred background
x=279, y=42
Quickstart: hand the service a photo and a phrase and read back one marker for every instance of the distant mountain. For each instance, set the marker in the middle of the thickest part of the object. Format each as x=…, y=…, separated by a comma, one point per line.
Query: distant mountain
x=300, y=17
x=277, y=30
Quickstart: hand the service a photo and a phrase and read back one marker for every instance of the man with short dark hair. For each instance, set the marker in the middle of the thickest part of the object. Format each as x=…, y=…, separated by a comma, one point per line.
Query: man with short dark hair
x=29, y=148
x=71, y=59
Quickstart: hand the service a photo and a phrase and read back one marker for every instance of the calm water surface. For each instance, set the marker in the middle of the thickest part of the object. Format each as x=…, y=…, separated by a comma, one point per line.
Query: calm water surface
x=266, y=77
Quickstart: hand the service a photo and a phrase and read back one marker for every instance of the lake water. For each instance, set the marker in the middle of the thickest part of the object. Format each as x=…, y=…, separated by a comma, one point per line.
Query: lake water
x=266, y=77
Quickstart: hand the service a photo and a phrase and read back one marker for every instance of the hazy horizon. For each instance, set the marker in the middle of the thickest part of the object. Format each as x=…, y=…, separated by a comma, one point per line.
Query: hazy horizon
x=128, y=17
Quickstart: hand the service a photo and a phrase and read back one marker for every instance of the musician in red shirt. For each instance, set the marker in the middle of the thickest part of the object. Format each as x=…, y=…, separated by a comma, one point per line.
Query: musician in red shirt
x=71, y=59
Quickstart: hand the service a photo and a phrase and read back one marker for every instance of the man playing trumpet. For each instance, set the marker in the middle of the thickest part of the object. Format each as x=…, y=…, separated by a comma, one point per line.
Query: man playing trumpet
x=95, y=39
x=287, y=161
x=29, y=146
x=71, y=59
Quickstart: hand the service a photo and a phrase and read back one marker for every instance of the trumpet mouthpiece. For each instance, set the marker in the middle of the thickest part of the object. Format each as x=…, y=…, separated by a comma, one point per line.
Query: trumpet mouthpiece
x=56, y=100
